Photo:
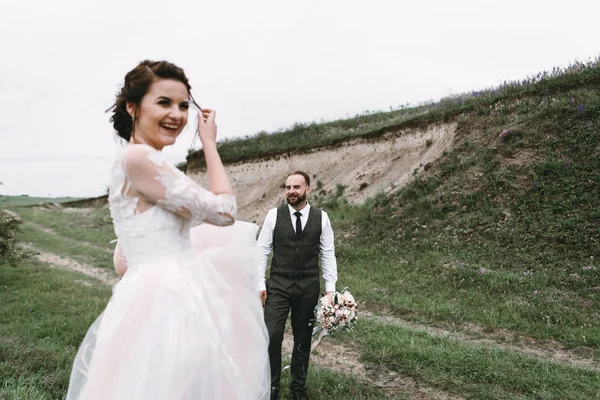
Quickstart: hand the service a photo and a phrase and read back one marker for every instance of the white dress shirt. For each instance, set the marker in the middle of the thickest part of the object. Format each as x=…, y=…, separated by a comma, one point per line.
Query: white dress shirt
x=265, y=245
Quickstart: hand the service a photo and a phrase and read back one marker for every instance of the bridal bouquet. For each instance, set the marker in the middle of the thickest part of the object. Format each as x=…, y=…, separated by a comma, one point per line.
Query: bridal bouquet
x=334, y=312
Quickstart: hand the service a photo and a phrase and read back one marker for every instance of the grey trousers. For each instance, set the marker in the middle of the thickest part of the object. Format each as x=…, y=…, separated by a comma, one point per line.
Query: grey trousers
x=277, y=308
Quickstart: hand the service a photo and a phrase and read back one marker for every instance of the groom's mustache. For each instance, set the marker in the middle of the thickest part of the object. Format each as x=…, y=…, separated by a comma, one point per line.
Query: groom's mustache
x=296, y=199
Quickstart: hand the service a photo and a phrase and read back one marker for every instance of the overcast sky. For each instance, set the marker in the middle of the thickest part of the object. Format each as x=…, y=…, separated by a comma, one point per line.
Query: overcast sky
x=263, y=65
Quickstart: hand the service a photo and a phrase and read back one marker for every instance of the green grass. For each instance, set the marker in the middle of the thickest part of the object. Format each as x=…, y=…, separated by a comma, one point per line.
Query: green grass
x=70, y=247
x=83, y=236
x=16, y=201
x=93, y=226
x=473, y=372
x=325, y=384
x=44, y=316
x=434, y=288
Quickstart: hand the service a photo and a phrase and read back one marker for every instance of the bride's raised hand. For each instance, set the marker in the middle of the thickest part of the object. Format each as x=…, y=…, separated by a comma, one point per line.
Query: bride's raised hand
x=207, y=131
x=207, y=128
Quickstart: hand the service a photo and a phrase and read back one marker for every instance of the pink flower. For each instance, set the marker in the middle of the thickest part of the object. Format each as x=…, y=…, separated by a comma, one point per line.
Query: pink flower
x=337, y=315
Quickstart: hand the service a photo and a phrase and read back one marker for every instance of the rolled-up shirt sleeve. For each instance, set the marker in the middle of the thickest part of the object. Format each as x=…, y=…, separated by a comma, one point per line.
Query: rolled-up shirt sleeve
x=328, y=261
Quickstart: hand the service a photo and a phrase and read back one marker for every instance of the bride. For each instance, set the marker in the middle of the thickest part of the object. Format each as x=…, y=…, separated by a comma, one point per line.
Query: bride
x=184, y=322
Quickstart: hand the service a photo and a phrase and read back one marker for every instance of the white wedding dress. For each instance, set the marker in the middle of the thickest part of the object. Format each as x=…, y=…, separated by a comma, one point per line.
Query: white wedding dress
x=185, y=321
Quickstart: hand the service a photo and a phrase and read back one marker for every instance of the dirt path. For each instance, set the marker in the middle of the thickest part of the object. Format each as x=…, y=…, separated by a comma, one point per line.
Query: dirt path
x=42, y=228
x=103, y=275
x=345, y=360
x=546, y=350
x=81, y=243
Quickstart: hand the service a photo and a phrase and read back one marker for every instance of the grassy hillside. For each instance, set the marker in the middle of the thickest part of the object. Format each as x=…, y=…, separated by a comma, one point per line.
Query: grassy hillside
x=503, y=230
x=301, y=136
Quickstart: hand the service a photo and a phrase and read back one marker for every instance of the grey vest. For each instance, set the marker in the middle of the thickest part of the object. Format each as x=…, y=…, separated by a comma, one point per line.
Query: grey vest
x=296, y=258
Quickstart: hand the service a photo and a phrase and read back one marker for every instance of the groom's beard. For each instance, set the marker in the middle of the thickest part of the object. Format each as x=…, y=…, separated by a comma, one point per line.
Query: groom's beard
x=296, y=200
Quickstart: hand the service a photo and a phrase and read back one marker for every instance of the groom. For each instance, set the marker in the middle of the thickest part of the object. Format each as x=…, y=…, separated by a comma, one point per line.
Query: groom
x=297, y=233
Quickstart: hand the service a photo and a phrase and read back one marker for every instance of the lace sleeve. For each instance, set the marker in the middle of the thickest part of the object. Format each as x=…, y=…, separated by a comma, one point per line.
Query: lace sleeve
x=165, y=185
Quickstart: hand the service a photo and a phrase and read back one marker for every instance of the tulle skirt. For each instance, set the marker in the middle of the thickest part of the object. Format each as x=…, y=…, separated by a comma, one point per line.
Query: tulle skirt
x=187, y=327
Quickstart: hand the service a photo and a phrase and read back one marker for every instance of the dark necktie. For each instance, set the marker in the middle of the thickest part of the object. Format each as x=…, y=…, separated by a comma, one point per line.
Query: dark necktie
x=298, y=214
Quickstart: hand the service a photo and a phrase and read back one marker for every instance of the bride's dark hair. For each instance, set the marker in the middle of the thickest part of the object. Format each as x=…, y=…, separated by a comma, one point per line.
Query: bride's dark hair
x=136, y=85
